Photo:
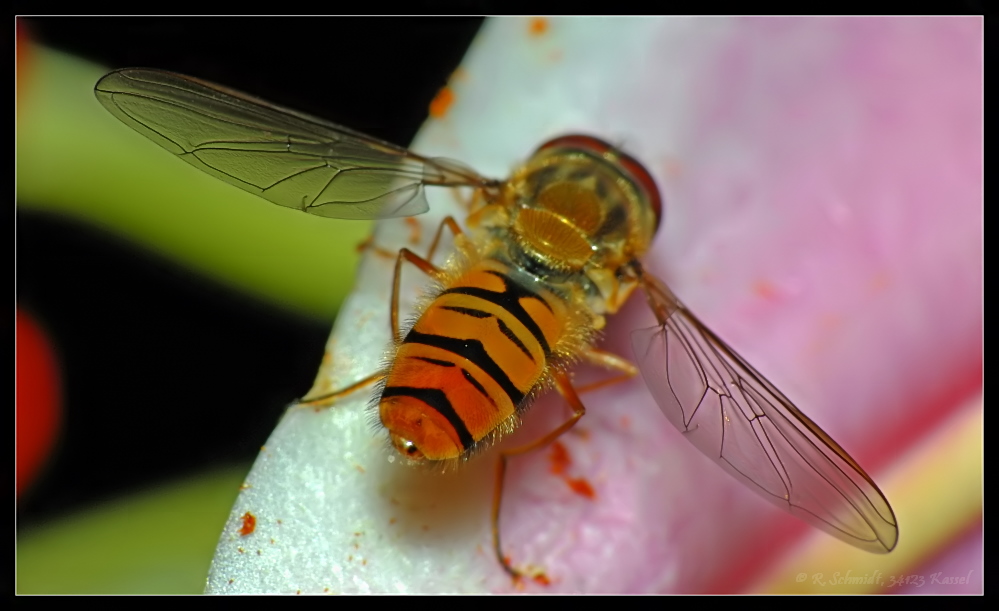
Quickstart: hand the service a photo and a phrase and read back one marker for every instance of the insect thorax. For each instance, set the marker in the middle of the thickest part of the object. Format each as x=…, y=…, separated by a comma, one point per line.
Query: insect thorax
x=576, y=221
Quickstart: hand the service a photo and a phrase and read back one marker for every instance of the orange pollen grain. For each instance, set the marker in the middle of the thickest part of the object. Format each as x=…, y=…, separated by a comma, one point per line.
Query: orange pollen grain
x=560, y=460
x=765, y=290
x=249, y=524
x=441, y=102
x=581, y=487
x=537, y=26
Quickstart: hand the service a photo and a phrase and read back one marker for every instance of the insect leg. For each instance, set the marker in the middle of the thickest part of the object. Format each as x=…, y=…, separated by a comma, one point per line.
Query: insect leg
x=423, y=264
x=369, y=244
x=426, y=267
x=478, y=198
x=608, y=360
x=414, y=238
x=565, y=388
x=451, y=224
x=415, y=229
x=328, y=399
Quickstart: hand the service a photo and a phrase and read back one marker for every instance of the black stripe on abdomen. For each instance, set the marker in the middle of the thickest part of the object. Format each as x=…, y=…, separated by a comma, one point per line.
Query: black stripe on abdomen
x=503, y=327
x=437, y=362
x=479, y=387
x=435, y=398
x=509, y=300
x=474, y=351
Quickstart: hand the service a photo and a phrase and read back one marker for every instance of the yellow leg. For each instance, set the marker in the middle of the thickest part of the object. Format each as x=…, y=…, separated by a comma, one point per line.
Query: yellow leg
x=423, y=264
x=596, y=356
x=451, y=224
x=565, y=388
x=608, y=360
x=328, y=399
x=369, y=244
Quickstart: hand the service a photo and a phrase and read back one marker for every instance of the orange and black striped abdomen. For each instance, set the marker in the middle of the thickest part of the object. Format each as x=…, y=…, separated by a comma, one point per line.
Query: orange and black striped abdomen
x=469, y=362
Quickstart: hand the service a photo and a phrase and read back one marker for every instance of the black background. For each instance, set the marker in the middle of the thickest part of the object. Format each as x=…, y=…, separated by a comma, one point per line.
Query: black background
x=127, y=419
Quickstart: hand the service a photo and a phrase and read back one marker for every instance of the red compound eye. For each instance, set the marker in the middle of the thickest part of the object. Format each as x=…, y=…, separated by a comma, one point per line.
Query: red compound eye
x=597, y=147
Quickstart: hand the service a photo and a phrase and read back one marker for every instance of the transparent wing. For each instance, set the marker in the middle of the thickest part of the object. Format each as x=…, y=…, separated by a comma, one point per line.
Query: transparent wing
x=284, y=156
x=741, y=421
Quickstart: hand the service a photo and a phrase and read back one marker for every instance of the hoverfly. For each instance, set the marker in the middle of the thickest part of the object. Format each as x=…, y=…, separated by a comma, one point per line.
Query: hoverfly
x=543, y=257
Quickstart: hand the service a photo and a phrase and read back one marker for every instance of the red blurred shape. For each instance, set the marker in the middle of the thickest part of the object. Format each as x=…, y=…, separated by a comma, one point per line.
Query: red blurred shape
x=38, y=398
x=24, y=57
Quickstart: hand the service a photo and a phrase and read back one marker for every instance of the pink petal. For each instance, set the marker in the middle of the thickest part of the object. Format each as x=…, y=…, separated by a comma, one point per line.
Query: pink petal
x=823, y=187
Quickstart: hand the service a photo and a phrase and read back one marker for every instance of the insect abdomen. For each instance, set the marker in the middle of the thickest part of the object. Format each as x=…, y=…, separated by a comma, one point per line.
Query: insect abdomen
x=469, y=363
